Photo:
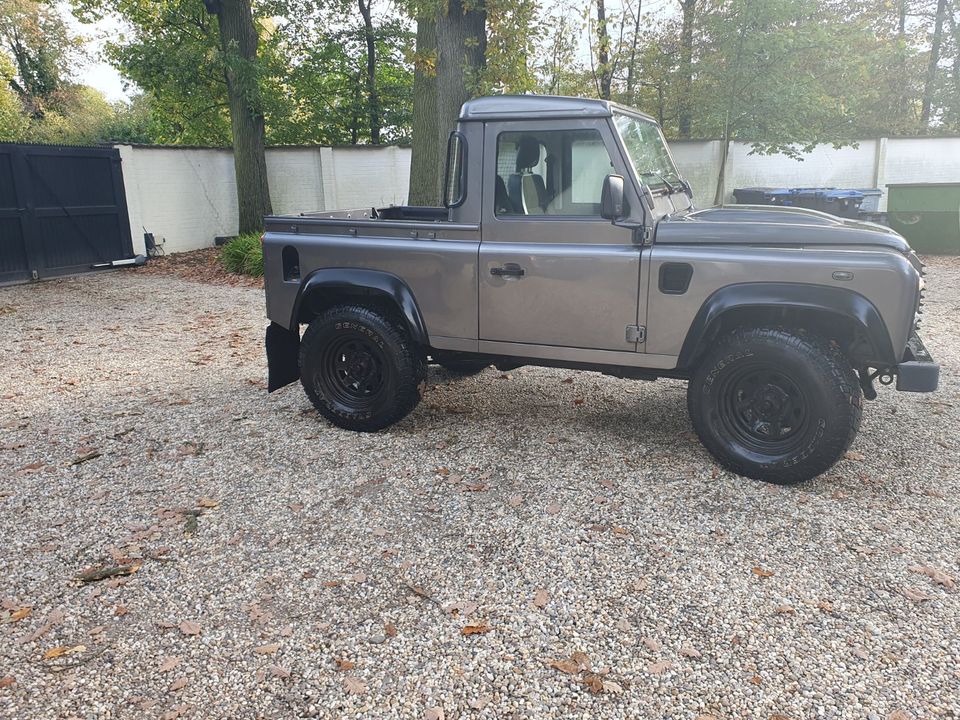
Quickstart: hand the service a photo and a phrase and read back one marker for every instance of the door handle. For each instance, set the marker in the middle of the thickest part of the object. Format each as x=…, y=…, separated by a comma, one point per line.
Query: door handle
x=509, y=269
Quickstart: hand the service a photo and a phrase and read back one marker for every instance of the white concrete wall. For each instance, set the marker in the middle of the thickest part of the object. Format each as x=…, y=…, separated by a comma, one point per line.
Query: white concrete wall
x=188, y=195
x=872, y=164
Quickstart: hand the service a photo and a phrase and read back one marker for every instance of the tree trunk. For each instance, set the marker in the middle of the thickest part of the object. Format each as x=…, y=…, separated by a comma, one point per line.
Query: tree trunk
x=425, y=156
x=603, y=52
x=238, y=42
x=631, y=70
x=373, y=98
x=461, y=53
x=929, y=84
x=686, y=67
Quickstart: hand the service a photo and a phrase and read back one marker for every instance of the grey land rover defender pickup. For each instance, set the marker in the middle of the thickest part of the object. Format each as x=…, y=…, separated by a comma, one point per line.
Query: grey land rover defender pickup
x=568, y=239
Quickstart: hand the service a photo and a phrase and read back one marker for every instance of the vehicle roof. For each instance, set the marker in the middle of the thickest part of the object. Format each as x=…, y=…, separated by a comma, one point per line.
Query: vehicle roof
x=497, y=107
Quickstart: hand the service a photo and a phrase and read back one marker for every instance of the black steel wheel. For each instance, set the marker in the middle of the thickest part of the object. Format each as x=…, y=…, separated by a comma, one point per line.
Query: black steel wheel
x=775, y=405
x=359, y=368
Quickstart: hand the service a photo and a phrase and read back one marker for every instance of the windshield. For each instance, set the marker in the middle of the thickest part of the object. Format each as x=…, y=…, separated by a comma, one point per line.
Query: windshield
x=648, y=152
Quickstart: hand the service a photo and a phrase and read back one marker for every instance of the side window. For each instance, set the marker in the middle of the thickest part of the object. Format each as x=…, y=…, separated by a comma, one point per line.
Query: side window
x=550, y=172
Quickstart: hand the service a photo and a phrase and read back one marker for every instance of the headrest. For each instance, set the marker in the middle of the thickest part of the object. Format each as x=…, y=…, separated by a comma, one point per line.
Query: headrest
x=528, y=152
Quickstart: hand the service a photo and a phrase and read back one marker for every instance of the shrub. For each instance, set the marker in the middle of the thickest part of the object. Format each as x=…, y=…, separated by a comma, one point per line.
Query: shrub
x=243, y=254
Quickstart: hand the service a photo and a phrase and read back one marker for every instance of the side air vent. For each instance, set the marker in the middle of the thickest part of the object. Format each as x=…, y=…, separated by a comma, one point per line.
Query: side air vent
x=675, y=278
x=291, y=263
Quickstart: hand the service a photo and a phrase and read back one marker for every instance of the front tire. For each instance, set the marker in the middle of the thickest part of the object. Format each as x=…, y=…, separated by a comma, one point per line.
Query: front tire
x=774, y=404
x=360, y=369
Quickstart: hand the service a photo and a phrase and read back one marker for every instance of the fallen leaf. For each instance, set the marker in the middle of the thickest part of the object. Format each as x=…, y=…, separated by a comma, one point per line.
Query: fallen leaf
x=825, y=606
x=785, y=610
x=97, y=574
x=461, y=607
x=541, y=598
x=19, y=615
x=179, y=684
x=915, y=595
x=899, y=715
x=389, y=629
x=659, y=667
x=706, y=717
x=623, y=625
x=553, y=508
x=640, y=585
x=354, y=685
x=594, y=683
x=515, y=501
x=565, y=666
x=760, y=572
x=280, y=672
x=379, y=532
x=84, y=456
x=861, y=653
x=188, y=627
x=331, y=583
x=854, y=455
x=269, y=649
x=938, y=576
x=778, y=716
x=551, y=439
x=434, y=713
x=209, y=503
x=358, y=577
x=120, y=610
x=690, y=651
x=63, y=650
x=652, y=645
x=581, y=659
x=479, y=703
x=343, y=664
x=7, y=681
x=177, y=712
x=756, y=680
x=477, y=628
x=170, y=663
x=607, y=483
x=612, y=687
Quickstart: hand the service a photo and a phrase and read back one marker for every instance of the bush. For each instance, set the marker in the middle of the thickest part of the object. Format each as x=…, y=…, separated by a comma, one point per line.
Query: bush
x=244, y=255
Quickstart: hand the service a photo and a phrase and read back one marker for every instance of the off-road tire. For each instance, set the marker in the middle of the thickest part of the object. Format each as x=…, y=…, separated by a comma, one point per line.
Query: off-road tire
x=459, y=364
x=360, y=368
x=776, y=405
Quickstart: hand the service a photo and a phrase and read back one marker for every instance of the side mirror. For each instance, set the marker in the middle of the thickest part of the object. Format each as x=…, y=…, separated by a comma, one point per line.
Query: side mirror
x=611, y=198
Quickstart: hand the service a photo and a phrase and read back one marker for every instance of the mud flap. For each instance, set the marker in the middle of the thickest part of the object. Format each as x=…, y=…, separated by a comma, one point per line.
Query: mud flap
x=283, y=356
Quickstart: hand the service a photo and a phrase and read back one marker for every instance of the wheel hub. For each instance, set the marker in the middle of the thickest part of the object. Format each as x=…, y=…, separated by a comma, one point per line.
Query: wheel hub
x=766, y=406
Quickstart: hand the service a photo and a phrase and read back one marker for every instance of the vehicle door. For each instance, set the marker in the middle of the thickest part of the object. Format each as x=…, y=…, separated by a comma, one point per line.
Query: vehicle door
x=552, y=271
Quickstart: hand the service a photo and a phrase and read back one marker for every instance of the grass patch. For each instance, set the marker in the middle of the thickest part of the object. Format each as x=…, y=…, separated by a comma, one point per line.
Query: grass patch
x=243, y=255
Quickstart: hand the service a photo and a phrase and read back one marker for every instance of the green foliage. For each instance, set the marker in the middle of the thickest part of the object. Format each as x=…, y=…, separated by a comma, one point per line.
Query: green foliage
x=243, y=255
x=13, y=121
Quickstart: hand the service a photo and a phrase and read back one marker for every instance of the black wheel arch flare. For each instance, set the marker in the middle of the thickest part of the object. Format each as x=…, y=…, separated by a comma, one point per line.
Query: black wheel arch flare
x=823, y=299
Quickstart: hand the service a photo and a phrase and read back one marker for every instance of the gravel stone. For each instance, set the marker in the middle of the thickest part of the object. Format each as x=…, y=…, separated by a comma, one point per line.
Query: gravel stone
x=251, y=517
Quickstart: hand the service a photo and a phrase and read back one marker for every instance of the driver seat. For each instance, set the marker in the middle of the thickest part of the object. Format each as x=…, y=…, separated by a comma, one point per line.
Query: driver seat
x=526, y=189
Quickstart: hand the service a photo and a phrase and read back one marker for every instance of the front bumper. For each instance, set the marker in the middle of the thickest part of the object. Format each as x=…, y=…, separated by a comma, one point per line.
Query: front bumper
x=918, y=372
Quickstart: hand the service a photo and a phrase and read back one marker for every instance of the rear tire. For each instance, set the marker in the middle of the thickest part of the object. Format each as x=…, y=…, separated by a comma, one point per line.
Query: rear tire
x=360, y=369
x=775, y=405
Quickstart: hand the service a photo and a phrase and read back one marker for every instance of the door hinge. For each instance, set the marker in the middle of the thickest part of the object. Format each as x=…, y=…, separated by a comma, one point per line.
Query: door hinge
x=636, y=334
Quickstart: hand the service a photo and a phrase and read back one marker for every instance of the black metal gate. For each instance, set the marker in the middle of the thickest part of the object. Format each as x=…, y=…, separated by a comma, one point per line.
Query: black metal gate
x=62, y=209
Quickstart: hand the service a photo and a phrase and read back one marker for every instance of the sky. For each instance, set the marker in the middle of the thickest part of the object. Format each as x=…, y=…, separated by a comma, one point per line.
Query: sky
x=97, y=72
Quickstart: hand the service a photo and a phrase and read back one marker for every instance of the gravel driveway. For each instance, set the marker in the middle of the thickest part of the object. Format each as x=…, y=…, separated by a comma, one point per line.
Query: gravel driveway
x=538, y=544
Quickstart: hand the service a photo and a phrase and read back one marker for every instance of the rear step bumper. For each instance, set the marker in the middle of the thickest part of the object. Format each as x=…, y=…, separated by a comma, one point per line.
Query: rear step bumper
x=918, y=372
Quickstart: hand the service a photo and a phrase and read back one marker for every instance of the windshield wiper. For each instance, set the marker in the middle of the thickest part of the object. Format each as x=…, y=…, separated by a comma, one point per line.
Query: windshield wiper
x=669, y=185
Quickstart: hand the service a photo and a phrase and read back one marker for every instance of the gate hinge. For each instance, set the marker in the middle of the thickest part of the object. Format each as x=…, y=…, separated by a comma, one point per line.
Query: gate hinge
x=636, y=334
